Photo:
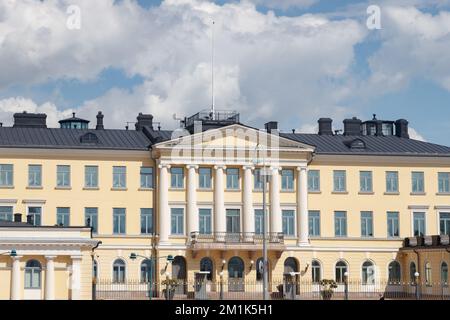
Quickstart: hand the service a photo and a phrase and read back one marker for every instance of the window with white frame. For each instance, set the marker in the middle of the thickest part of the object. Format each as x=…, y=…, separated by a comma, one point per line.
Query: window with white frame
x=394, y=272
x=6, y=213
x=368, y=273
x=259, y=220
x=34, y=175
x=233, y=178
x=36, y=215
x=233, y=218
x=205, y=221
x=119, y=177
x=340, y=223
x=62, y=176
x=444, y=182
x=393, y=225
x=412, y=272
x=444, y=223
x=391, y=181
x=418, y=182
x=366, y=224
x=314, y=180
x=365, y=181
x=339, y=181
x=258, y=179
x=177, y=221
x=288, y=217
x=91, y=176
x=316, y=272
x=287, y=179
x=204, y=176
x=444, y=273
x=314, y=223
x=6, y=175
x=33, y=271
x=419, y=224
x=119, y=220
x=428, y=274
x=146, y=220
x=91, y=218
x=177, y=178
x=146, y=177
x=340, y=270
x=63, y=217
x=119, y=270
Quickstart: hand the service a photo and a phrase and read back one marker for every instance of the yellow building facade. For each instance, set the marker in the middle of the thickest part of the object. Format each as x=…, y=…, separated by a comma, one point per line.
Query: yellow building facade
x=336, y=204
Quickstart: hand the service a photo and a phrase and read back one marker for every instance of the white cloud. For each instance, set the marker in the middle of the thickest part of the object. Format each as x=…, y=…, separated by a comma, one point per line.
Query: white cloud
x=413, y=134
x=285, y=4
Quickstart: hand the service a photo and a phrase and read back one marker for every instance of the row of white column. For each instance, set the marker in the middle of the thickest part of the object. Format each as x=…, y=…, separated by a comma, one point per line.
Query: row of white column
x=49, y=287
x=219, y=205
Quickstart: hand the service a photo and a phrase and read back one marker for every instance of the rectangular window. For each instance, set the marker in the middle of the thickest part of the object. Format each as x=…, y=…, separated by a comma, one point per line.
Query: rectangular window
x=288, y=217
x=6, y=213
x=34, y=175
x=287, y=180
x=63, y=217
x=392, y=181
x=418, y=182
x=393, y=225
x=233, y=179
x=63, y=176
x=419, y=224
x=119, y=218
x=365, y=181
x=6, y=175
x=366, y=224
x=314, y=223
x=119, y=177
x=204, y=222
x=177, y=221
x=146, y=220
x=91, y=218
x=444, y=182
x=444, y=223
x=314, y=180
x=259, y=220
x=204, y=176
x=91, y=176
x=258, y=179
x=36, y=215
x=339, y=181
x=340, y=223
x=177, y=178
x=233, y=221
x=146, y=177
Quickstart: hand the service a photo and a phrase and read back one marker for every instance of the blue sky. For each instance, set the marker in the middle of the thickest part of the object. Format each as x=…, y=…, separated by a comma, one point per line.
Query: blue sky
x=159, y=63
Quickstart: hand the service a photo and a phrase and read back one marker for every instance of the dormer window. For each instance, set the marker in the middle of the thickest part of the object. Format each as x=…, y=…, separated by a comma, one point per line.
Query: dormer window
x=74, y=123
x=89, y=138
x=356, y=144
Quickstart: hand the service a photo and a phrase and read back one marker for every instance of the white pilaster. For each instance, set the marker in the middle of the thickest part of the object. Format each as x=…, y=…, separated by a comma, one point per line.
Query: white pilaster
x=275, y=209
x=219, y=205
x=15, y=278
x=247, y=199
x=164, y=214
x=302, y=207
x=50, y=278
x=76, y=277
x=192, y=211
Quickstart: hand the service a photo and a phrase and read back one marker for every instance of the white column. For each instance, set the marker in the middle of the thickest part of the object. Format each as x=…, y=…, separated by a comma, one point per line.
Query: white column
x=247, y=199
x=164, y=214
x=50, y=278
x=15, y=278
x=192, y=211
x=275, y=209
x=302, y=207
x=76, y=278
x=219, y=205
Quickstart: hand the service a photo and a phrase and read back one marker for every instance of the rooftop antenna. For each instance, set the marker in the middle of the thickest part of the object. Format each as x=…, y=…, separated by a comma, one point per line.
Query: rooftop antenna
x=213, y=107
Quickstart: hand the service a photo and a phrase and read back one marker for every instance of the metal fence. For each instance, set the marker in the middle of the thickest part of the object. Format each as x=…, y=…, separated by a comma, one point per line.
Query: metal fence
x=278, y=290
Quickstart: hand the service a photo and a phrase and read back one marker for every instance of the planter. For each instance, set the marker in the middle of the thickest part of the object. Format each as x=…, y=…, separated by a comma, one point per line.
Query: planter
x=169, y=294
x=326, y=294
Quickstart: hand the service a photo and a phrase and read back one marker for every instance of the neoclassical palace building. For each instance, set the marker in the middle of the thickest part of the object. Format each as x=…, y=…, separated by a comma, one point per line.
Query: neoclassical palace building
x=77, y=201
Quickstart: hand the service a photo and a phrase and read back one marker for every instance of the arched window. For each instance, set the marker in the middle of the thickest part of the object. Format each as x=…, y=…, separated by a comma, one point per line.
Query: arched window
x=235, y=268
x=316, y=271
x=340, y=269
x=206, y=264
x=394, y=272
x=146, y=271
x=444, y=273
x=119, y=271
x=259, y=269
x=33, y=271
x=412, y=272
x=428, y=273
x=290, y=265
x=368, y=273
x=95, y=269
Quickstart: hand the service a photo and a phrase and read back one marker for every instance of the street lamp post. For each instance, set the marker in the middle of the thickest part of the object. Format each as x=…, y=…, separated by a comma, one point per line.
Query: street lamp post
x=346, y=285
x=416, y=277
x=152, y=260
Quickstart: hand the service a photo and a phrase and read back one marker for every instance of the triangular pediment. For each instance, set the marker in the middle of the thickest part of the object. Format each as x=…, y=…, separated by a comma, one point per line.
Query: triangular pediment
x=235, y=136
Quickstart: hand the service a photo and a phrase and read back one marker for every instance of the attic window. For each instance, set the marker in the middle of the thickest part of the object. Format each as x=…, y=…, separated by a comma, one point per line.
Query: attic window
x=356, y=144
x=89, y=138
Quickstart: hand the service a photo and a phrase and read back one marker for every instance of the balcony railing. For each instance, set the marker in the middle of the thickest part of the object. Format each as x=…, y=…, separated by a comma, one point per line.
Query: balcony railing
x=236, y=238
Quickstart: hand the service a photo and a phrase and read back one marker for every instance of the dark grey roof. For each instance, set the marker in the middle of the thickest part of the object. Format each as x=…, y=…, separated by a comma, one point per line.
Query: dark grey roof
x=374, y=145
x=56, y=138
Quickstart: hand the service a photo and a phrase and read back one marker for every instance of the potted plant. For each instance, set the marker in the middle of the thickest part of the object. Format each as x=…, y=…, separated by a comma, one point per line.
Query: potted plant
x=327, y=288
x=169, y=291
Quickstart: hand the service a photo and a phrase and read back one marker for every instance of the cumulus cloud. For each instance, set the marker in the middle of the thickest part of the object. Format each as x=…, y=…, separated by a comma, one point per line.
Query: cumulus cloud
x=285, y=4
x=413, y=134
